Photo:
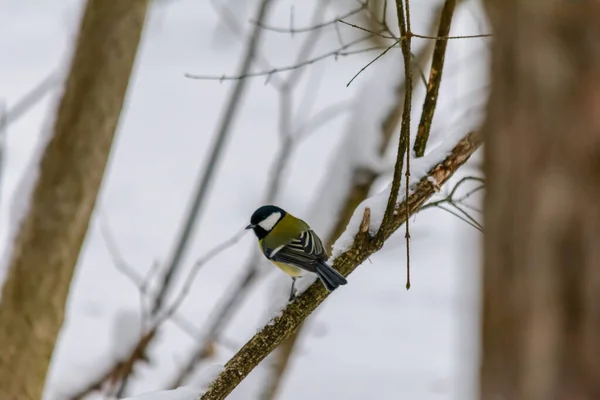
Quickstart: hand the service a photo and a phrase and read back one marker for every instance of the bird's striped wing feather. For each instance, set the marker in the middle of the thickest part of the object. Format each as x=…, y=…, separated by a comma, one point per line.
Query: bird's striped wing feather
x=303, y=252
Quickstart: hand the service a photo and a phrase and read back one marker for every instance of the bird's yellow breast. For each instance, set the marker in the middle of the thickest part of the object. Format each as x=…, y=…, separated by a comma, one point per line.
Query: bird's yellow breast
x=288, y=269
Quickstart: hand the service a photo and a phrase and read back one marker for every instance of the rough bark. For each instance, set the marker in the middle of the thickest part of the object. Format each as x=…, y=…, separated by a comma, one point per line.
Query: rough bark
x=281, y=327
x=49, y=239
x=435, y=78
x=541, y=286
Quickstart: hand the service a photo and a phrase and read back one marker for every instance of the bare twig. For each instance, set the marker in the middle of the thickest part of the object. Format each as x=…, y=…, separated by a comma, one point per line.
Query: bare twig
x=371, y=62
x=32, y=97
x=435, y=79
x=140, y=281
x=121, y=369
x=481, y=35
x=314, y=27
x=221, y=317
x=168, y=312
x=234, y=25
x=407, y=139
x=336, y=53
x=321, y=118
x=405, y=124
x=381, y=35
x=457, y=204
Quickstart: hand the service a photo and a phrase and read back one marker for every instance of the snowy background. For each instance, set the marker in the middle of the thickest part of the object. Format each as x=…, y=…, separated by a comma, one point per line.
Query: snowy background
x=372, y=338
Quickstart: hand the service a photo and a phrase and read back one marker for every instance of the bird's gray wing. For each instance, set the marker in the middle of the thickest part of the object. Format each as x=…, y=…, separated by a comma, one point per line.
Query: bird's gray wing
x=305, y=252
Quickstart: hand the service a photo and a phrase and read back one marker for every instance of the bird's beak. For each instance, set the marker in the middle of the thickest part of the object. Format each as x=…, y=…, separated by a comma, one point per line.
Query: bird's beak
x=249, y=227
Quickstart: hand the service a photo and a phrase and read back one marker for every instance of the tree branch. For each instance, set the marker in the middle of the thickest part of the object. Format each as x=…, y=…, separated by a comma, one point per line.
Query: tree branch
x=315, y=26
x=279, y=328
x=403, y=143
x=435, y=79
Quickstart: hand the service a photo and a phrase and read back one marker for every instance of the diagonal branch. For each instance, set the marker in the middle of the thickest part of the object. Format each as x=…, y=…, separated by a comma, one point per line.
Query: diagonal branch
x=403, y=143
x=279, y=328
x=435, y=78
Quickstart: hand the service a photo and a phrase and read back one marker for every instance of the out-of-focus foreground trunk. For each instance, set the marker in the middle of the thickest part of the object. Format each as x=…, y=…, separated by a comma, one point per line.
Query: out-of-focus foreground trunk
x=541, y=288
x=47, y=245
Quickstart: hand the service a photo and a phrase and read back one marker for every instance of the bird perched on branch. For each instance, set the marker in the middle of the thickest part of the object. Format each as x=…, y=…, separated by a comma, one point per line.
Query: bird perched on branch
x=290, y=244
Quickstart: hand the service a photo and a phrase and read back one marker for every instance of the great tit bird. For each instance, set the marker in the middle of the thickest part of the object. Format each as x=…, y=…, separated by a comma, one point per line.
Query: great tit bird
x=290, y=244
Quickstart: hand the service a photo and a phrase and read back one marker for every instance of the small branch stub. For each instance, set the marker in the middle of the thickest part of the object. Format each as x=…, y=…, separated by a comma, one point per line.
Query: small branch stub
x=366, y=221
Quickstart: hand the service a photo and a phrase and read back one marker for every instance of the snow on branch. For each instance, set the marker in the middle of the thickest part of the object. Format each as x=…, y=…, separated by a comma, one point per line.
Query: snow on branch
x=350, y=256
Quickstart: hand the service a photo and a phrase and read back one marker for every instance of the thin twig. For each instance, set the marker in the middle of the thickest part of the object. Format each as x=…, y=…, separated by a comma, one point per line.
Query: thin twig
x=458, y=203
x=32, y=97
x=234, y=25
x=407, y=174
x=435, y=79
x=220, y=318
x=369, y=31
x=407, y=16
x=312, y=27
x=474, y=225
x=450, y=197
x=405, y=124
x=120, y=370
x=482, y=35
x=336, y=53
x=371, y=62
x=194, y=272
x=321, y=118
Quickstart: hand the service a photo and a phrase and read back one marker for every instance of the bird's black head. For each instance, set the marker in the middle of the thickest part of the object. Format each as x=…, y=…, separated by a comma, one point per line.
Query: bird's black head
x=264, y=219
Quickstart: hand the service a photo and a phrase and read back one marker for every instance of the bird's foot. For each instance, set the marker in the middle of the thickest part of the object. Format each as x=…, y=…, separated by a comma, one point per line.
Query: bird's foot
x=292, y=296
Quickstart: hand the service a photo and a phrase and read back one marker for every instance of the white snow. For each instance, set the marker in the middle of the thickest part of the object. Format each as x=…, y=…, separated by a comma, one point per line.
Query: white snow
x=182, y=393
x=165, y=129
x=127, y=329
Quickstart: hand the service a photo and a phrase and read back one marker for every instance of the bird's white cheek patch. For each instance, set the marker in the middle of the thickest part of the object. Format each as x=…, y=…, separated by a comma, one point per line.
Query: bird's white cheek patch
x=268, y=223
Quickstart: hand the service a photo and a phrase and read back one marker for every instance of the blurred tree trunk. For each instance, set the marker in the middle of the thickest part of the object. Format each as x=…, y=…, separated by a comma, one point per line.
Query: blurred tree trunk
x=47, y=245
x=541, y=286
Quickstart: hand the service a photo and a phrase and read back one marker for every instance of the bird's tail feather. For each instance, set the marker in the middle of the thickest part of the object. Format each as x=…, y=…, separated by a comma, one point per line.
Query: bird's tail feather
x=329, y=276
